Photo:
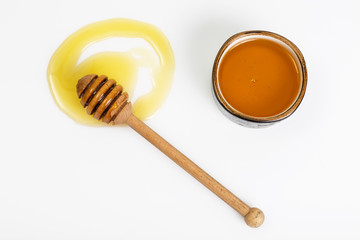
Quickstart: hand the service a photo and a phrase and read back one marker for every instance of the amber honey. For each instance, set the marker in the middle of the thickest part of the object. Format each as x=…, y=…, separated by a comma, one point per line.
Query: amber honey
x=258, y=77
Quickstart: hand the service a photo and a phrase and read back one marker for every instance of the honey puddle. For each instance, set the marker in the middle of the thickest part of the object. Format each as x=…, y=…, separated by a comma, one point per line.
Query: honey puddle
x=64, y=70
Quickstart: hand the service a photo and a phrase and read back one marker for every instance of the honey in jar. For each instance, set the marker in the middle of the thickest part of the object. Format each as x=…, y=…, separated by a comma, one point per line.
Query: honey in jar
x=258, y=78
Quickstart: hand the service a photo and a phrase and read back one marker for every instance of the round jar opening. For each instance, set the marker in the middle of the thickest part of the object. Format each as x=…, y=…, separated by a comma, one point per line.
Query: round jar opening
x=259, y=76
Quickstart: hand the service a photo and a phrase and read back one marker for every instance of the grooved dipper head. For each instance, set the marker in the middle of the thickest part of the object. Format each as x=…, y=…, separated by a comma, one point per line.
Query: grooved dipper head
x=104, y=98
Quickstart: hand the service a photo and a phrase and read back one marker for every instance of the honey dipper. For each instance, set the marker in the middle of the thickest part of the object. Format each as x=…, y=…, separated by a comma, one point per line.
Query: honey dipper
x=107, y=101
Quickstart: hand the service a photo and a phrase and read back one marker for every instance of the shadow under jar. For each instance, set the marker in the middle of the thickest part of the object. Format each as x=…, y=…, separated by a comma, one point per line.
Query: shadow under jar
x=259, y=78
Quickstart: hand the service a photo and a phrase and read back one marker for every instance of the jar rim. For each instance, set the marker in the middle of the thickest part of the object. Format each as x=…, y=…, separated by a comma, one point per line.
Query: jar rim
x=237, y=38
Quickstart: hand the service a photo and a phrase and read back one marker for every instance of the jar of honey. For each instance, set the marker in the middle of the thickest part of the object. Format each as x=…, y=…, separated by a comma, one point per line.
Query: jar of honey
x=258, y=78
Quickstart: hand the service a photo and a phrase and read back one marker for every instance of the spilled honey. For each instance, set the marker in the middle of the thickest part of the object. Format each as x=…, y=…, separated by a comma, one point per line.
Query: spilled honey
x=259, y=78
x=64, y=71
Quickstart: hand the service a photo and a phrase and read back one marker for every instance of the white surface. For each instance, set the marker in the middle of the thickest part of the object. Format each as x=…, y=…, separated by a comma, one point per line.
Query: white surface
x=58, y=183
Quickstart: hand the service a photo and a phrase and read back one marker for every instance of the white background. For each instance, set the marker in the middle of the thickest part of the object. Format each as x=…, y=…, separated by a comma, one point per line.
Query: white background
x=62, y=180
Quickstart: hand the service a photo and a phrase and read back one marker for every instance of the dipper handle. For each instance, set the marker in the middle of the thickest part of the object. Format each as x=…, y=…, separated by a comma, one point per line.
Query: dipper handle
x=106, y=100
x=254, y=217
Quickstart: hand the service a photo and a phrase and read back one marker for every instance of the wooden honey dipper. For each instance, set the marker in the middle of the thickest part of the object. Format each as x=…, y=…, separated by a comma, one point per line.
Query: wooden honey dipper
x=107, y=101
